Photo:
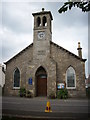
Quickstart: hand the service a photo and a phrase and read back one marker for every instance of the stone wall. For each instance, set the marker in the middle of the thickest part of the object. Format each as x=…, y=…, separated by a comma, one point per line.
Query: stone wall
x=50, y=66
x=19, y=61
x=55, y=66
x=28, y=67
x=64, y=60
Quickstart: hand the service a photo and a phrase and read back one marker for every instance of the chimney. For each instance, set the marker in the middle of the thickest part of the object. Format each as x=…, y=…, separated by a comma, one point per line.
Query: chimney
x=79, y=50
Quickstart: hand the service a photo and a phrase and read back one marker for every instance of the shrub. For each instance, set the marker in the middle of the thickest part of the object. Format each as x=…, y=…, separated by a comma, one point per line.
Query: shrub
x=52, y=96
x=22, y=92
x=29, y=94
x=62, y=94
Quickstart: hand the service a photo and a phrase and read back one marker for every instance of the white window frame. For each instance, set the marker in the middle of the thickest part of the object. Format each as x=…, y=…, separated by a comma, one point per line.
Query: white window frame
x=74, y=81
x=16, y=88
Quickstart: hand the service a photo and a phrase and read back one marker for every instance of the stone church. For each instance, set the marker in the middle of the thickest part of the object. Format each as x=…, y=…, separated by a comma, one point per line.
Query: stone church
x=43, y=65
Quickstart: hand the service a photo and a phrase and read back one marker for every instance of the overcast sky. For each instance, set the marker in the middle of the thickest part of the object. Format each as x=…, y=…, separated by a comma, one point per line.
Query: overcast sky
x=17, y=27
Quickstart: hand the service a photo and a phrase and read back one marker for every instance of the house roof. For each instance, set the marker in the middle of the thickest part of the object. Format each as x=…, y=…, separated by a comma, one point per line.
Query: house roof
x=51, y=43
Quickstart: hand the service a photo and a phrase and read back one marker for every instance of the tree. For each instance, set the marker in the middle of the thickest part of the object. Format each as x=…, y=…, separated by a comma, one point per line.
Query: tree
x=84, y=6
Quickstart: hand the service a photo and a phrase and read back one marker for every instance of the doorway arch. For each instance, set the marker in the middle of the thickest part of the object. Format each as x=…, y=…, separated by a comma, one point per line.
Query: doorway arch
x=41, y=82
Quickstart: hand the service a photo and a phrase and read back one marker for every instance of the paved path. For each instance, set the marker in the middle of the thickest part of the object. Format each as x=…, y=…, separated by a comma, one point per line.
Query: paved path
x=35, y=107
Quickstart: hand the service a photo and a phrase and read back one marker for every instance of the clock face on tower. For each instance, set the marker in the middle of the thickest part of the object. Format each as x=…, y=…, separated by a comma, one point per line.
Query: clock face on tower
x=41, y=35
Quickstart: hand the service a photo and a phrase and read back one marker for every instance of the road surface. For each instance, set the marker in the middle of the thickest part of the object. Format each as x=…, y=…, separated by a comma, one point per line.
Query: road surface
x=35, y=107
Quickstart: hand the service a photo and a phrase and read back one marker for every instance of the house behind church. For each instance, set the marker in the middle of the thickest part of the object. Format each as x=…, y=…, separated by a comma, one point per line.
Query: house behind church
x=43, y=65
x=2, y=75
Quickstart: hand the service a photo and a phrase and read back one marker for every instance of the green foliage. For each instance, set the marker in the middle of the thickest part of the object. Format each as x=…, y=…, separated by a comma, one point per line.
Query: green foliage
x=29, y=94
x=62, y=94
x=52, y=96
x=84, y=6
x=22, y=92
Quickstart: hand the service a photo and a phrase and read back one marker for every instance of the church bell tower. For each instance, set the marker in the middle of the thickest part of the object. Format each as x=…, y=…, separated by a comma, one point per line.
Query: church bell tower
x=42, y=34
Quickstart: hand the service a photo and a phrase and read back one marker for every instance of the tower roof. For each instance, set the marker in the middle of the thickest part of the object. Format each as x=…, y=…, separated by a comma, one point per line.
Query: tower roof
x=43, y=12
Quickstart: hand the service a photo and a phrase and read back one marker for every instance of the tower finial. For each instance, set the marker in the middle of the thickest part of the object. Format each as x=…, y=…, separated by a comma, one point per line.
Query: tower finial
x=42, y=9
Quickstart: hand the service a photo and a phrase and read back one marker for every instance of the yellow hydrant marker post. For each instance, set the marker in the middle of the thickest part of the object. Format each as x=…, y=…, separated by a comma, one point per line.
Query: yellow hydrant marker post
x=48, y=108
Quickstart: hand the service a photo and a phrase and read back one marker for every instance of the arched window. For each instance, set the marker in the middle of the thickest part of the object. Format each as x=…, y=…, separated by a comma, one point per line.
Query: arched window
x=70, y=78
x=16, y=78
x=44, y=21
x=38, y=22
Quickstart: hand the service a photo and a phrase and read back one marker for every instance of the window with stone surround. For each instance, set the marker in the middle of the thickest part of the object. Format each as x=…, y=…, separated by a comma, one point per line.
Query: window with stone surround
x=70, y=78
x=16, y=78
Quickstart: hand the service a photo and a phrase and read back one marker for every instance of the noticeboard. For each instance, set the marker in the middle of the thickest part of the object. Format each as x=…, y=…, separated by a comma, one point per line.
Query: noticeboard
x=60, y=86
x=30, y=81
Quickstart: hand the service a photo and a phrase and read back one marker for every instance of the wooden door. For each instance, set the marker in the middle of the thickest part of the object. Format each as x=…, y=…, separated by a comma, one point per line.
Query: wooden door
x=42, y=86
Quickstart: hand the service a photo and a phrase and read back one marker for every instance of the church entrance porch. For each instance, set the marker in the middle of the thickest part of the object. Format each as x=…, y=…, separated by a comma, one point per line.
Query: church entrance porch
x=41, y=80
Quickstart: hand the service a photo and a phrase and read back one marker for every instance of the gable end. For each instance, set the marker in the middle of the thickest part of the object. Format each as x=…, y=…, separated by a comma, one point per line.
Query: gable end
x=19, y=53
x=68, y=52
